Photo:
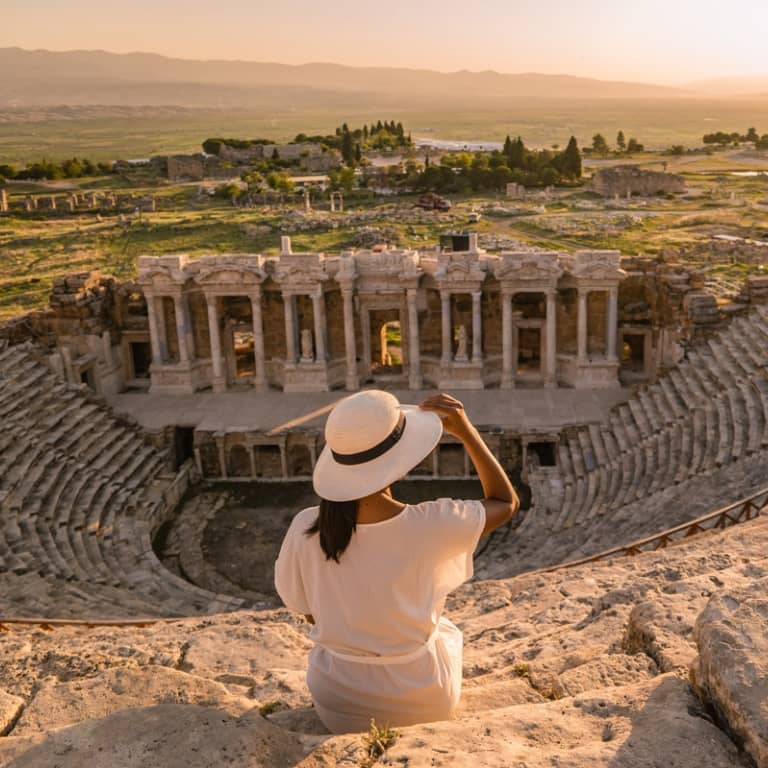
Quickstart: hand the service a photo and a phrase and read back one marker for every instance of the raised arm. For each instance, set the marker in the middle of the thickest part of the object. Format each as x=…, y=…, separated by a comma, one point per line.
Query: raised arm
x=501, y=502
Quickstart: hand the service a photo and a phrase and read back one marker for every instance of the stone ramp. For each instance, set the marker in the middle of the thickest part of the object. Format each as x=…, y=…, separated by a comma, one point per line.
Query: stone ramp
x=582, y=667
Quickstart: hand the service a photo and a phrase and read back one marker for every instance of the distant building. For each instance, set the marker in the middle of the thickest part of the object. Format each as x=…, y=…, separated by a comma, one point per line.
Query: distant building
x=626, y=180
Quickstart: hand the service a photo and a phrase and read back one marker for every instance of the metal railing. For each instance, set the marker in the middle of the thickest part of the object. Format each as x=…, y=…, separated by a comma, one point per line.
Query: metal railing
x=740, y=511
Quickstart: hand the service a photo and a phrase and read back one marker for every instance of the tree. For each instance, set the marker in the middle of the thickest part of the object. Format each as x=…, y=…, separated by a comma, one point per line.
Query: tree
x=254, y=180
x=752, y=135
x=229, y=192
x=280, y=181
x=599, y=144
x=347, y=148
x=571, y=163
x=517, y=154
x=621, y=143
x=634, y=146
x=342, y=179
x=358, y=154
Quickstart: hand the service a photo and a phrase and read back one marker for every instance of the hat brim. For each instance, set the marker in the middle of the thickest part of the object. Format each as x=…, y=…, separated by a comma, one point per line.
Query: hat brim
x=342, y=482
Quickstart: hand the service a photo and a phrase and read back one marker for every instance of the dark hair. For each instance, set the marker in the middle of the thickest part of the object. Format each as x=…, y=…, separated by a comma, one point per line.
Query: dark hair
x=335, y=523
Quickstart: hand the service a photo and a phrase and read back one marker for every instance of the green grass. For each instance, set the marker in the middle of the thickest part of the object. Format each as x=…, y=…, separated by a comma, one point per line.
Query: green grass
x=34, y=248
x=106, y=133
x=376, y=742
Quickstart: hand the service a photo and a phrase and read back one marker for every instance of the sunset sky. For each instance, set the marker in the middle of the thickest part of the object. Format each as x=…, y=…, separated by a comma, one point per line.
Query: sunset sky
x=665, y=41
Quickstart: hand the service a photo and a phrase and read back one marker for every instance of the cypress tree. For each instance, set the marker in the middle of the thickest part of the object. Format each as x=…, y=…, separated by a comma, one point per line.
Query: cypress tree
x=347, y=148
x=572, y=160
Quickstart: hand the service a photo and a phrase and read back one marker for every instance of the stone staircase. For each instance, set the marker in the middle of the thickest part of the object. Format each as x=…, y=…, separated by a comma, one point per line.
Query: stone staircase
x=685, y=445
x=81, y=497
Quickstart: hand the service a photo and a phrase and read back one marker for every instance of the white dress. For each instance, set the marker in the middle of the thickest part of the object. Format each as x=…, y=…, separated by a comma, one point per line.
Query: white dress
x=382, y=649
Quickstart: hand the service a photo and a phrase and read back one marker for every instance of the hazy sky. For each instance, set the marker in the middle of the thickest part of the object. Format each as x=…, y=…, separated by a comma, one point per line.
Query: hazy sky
x=668, y=41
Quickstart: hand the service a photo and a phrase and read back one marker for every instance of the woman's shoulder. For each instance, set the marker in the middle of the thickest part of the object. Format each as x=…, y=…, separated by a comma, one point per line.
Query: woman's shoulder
x=304, y=519
x=442, y=506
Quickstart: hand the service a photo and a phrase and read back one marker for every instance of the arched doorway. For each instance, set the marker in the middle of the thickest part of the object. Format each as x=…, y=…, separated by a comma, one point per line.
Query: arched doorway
x=388, y=361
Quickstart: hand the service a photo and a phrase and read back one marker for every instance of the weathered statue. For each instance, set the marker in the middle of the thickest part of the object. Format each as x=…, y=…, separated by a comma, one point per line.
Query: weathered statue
x=461, y=344
x=307, y=351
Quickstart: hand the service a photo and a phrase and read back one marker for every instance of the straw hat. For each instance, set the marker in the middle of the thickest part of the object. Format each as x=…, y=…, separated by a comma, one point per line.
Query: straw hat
x=370, y=442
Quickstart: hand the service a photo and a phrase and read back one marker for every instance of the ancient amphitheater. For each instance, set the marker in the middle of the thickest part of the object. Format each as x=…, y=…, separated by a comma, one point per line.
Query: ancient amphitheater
x=622, y=620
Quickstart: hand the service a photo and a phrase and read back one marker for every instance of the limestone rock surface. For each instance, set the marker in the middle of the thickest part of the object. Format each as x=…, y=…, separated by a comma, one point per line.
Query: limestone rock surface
x=57, y=705
x=162, y=736
x=10, y=706
x=731, y=671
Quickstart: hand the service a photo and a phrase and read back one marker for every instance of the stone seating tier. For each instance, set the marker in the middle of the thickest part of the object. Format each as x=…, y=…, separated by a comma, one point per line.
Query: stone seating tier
x=76, y=515
x=708, y=412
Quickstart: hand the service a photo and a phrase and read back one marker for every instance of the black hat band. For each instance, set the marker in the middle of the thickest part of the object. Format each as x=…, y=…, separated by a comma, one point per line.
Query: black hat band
x=350, y=459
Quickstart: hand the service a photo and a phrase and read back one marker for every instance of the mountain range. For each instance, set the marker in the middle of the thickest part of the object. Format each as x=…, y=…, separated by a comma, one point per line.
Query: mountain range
x=97, y=77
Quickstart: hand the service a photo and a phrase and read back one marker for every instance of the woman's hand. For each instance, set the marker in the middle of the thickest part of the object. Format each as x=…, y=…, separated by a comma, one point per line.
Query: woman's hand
x=451, y=413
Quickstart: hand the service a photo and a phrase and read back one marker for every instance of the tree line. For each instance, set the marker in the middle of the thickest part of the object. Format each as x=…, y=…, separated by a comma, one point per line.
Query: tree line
x=724, y=138
x=626, y=146
x=467, y=171
x=352, y=143
x=74, y=168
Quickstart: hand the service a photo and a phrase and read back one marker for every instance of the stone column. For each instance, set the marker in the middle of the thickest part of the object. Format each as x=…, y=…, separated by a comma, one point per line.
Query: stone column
x=260, y=378
x=581, y=326
x=213, y=329
x=283, y=459
x=318, y=314
x=612, y=323
x=414, y=357
x=154, y=331
x=477, y=328
x=447, y=335
x=365, y=316
x=507, y=377
x=181, y=328
x=106, y=346
x=222, y=455
x=550, y=372
x=350, y=349
x=289, y=303
x=191, y=347
x=162, y=330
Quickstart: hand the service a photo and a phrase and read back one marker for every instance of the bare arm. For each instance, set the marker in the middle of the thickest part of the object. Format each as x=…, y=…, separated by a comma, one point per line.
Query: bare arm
x=501, y=502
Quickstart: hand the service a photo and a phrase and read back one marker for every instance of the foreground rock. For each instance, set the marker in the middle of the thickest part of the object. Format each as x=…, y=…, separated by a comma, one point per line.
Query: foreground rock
x=660, y=723
x=582, y=667
x=62, y=704
x=10, y=706
x=731, y=672
x=164, y=736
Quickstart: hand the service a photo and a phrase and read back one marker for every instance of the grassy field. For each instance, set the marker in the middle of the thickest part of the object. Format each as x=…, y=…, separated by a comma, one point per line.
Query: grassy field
x=107, y=133
x=35, y=247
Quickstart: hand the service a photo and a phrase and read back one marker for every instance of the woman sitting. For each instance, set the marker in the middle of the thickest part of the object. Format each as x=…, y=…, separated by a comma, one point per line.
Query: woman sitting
x=372, y=573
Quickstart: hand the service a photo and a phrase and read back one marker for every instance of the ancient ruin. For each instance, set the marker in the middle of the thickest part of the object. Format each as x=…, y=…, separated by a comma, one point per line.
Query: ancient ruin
x=630, y=406
x=628, y=180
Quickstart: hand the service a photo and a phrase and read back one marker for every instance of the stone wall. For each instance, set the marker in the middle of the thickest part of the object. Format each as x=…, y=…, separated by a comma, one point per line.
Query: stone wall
x=629, y=179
